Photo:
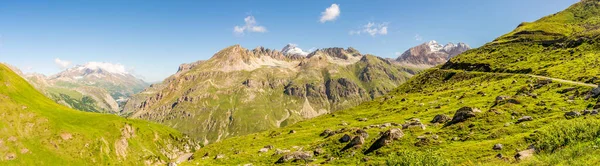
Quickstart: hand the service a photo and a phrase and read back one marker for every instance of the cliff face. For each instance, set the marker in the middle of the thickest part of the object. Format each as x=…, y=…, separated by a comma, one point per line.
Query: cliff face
x=240, y=91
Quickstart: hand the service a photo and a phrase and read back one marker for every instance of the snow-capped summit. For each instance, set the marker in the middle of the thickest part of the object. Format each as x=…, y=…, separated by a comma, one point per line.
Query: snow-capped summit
x=106, y=67
x=432, y=53
x=292, y=49
x=434, y=46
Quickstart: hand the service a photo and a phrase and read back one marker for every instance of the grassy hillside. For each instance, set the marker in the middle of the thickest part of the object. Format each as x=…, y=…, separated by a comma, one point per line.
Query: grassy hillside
x=563, y=45
x=434, y=92
x=497, y=112
x=37, y=131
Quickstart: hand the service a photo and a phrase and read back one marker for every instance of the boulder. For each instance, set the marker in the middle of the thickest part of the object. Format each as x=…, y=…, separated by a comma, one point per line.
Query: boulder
x=292, y=131
x=524, y=154
x=345, y=138
x=263, y=150
x=463, y=114
x=362, y=133
x=572, y=114
x=295, y=157
x=413, y=123
x=269, y=147
x=441, y=118
x=524, y=119
x=595, y=92
x=362, y=119
x=219, y=156
x=385, y=139
x=318, y=151
x=327, y=133
x=279, y=151
x=356, y=142
x=497, y=147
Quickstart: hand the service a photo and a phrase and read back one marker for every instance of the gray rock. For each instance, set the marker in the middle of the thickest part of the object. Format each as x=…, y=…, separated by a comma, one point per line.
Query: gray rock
x=362, y=133
x=441, y=118
x=356, y=142
x=463, y=114
x=572, y=114
x=497, y=147
x=326, y=133
x=385, y=139
x=524, y=154
x=525, y=118
x=263, y=150
x=345, y=138
x=362, y=119
x=294, y=157
x=319, y=151
x=219, y=156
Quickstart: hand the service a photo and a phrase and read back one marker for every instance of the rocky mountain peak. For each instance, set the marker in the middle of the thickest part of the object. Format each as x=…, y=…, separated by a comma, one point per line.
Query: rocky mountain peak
x=432, y=53
x=337, y=52
x=292, y=49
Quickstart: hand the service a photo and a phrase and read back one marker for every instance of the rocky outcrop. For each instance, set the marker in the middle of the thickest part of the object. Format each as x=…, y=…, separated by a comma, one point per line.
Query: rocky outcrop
x=295, y=157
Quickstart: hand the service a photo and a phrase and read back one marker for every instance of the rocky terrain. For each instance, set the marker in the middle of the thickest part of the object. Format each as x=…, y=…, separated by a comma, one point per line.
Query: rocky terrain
x=93, y=87
x=240, y=91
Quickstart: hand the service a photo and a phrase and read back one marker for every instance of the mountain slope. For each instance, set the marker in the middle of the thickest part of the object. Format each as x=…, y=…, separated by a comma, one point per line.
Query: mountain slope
x=563, y=45
x=240, y=91
x=93, y=87
x=462, y=114
x=38, y=131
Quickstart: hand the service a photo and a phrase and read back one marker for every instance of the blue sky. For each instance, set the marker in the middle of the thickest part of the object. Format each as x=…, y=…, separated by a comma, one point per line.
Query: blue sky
x=152, y=38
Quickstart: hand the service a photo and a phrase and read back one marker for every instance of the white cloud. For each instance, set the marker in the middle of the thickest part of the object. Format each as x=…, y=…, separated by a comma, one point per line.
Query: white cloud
x=372, y=29
x=330, y=14
x=250, y=26
x=418, y=37
x=62, y=64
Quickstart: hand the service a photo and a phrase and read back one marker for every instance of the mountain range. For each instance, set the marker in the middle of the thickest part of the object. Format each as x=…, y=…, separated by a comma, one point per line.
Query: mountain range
x=530, y=97
x=225, y=95
x=93, y=87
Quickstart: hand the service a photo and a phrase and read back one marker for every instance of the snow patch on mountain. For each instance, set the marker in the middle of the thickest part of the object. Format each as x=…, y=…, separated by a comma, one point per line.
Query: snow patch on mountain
x=103, y=66
x=292, y=49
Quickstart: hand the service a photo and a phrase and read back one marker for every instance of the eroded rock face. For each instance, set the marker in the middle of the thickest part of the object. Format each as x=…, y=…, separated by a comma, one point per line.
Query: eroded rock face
x=385, y=139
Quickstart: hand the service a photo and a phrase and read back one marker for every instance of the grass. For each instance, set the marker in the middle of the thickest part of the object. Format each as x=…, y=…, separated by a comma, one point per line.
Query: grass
x=37, y=131
x=426, y=95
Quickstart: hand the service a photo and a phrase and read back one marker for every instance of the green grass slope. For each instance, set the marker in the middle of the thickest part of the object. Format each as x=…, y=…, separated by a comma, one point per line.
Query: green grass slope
x=37, y=131
x=563, y=45
x=434, y=92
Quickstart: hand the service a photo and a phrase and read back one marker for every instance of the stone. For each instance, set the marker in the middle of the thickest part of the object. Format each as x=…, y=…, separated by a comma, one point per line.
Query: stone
x=362, y=133
x=356, y=142
x=295, y=157
x=463, y=114
x=524, y=119
x=345, y=138
x=362, y=119
x=572, y=114
x=319, y=151
x=263, y=150
x=441, y=118
x=385, y=139
x=279, y=151
x=219, y=156
x=326, y=133
x=414, y=123
x=524, y=154
x=292, y=131
x=497, y=147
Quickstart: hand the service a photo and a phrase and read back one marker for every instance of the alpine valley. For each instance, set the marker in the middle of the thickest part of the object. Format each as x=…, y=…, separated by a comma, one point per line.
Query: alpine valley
x=529, y=97
x=240, y=91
